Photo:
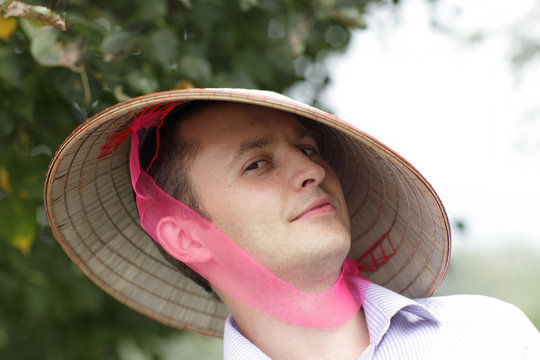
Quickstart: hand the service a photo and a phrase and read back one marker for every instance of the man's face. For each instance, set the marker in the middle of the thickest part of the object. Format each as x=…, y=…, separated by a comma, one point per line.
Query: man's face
x=261, y=181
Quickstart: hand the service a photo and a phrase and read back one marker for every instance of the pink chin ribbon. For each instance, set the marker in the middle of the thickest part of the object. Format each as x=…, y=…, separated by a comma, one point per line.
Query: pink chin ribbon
x=230, y=268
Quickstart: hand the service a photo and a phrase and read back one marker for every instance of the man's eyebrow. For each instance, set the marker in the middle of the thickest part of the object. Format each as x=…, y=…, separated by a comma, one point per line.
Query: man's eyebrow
x=255, y=144
x=263, y=141
x=246, y=146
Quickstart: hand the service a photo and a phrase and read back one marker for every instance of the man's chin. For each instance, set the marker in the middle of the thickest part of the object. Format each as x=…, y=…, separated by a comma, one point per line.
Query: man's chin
x=327, y=241
x=320, y=268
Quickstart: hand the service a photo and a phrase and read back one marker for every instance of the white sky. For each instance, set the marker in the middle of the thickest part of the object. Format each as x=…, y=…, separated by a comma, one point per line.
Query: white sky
x=458, y=111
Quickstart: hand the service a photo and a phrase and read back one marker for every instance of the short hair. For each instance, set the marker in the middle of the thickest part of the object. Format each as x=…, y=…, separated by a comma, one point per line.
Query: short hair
x=170, y=170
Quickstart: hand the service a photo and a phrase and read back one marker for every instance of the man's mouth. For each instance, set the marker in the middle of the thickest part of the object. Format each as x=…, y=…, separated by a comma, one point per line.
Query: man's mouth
x=319, y=207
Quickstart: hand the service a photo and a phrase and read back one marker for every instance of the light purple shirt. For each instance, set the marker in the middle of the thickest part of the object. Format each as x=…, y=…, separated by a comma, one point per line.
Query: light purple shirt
x=451, y=327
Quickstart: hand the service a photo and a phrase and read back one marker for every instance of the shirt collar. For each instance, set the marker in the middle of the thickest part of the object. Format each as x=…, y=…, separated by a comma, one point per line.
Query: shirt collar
x=380, y=306
x=236, y=346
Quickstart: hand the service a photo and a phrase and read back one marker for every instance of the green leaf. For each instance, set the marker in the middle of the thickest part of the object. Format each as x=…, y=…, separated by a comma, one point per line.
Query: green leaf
x=143, y=81
x=37, y=15
x=32, y=31
x=246, y=5
x=164, y=47
x=115, y=44
x=44, y=47
x=10, y=72
x=196, y=68
x=6, y=125
x=187, y=3
x=150, y=10
x=19, y=105
x=48, y=51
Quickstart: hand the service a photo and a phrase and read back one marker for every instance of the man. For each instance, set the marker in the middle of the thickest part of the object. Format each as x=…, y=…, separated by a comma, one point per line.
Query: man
x=280, y=190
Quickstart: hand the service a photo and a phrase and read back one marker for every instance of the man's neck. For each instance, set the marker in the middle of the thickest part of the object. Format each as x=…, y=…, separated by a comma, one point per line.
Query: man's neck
x=282, y=340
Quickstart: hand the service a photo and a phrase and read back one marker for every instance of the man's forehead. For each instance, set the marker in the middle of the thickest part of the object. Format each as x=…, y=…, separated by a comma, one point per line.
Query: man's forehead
x=218, y=120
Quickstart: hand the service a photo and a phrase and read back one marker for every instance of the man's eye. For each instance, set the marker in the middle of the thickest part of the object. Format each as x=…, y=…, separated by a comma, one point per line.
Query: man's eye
x=256, y=165
x=309, y=151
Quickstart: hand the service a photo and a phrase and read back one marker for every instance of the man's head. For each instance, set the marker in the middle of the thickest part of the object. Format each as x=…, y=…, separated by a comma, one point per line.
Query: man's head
x=257, y=175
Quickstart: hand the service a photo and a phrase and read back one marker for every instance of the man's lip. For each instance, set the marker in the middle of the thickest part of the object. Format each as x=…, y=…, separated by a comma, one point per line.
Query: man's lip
x=325, y=204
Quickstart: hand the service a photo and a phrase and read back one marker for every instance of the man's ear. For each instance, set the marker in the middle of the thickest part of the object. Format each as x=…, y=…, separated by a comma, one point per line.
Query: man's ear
x=181, y=241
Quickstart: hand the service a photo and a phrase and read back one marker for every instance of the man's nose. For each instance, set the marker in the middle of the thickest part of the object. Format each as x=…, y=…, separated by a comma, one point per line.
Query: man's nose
x=306, y=172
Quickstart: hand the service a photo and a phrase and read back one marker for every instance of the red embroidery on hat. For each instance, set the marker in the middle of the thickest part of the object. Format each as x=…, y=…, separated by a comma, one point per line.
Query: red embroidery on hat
x=166, y=110
x=117, y=139
x=377, y=255
x=114, y=142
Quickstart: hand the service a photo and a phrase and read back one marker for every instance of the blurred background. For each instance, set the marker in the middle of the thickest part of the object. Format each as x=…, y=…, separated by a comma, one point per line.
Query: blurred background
x=452, y=85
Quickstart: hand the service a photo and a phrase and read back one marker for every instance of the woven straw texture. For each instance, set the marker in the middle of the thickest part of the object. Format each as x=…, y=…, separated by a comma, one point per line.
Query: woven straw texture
x=91, y=209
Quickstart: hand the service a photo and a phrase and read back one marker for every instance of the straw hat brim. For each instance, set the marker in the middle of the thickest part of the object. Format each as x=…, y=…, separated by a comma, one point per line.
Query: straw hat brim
x=399, y=226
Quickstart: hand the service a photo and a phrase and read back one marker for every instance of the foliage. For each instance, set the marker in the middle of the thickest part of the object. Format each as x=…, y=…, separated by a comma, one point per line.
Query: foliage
x=50, y=310
x=51, y=79
x=58, y=66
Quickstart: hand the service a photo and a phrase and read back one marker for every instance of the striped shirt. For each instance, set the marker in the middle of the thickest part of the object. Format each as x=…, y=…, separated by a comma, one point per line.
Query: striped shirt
x=451, y=327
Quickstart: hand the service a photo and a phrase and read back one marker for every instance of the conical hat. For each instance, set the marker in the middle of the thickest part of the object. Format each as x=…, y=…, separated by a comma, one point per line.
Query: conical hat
x=400, y=231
